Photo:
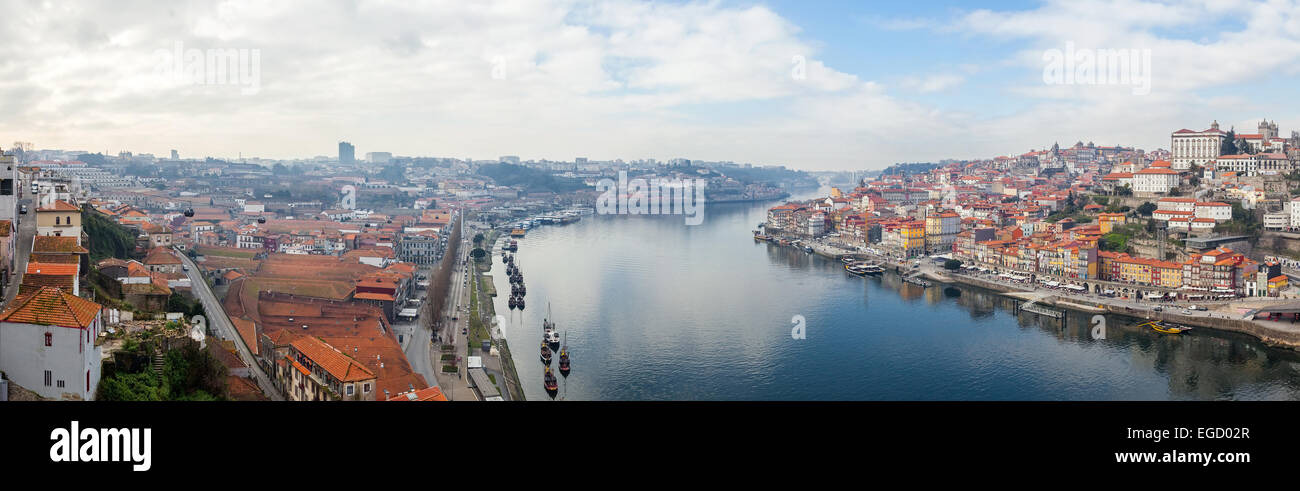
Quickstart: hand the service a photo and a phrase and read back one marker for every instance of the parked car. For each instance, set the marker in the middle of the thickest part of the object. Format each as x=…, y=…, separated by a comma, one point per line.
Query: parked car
x=1158, y=309
x=1187, y=312
x=22, y=209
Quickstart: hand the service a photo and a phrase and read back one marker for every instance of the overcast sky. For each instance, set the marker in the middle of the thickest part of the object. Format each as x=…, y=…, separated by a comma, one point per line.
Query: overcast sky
x=812, y=85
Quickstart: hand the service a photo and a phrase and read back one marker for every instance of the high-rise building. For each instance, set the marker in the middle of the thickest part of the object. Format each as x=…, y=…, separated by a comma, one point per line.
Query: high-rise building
x=347, y=153
x=176, y=155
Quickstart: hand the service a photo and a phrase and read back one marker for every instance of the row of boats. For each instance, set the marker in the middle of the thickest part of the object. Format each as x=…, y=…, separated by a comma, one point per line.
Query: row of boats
x=784, y=241
x=517, y=289
x=551, y=342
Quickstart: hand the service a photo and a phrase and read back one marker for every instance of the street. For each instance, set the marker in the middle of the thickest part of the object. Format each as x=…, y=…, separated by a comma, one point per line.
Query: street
x=222, y=327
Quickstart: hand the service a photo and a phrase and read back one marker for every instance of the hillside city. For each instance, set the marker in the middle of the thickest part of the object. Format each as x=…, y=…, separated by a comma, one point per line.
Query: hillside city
x=1211, y=219
x=135, y=277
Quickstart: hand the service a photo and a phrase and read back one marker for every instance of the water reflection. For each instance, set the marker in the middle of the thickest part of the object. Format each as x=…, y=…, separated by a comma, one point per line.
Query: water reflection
x=654, y=309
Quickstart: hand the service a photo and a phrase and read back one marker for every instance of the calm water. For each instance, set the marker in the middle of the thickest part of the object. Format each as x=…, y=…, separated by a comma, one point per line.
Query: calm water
x=654, y=309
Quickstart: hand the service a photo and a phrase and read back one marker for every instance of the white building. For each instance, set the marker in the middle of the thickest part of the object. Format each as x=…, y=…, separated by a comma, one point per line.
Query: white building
x=47, y=344
x=1155, y=180
x=1196, y=147
x=1177, y=204
x=1276, y=221
x=1219, y=212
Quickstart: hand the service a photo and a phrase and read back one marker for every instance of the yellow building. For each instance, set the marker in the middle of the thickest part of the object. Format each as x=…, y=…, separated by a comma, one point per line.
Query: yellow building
x=59, y=218
x=913, y=234
x=1108, y=221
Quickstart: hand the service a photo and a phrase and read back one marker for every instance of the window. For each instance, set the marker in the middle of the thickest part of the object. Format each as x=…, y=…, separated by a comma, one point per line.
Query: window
x=56, y=220
x=365, y=388
x=60, y=384
x=49, y=376
x=49, y=339
x=351, y=389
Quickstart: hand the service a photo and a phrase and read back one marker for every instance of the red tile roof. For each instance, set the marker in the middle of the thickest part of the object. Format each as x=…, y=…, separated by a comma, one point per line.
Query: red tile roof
x=45, y=243
x=339, y=365
x=51, y=306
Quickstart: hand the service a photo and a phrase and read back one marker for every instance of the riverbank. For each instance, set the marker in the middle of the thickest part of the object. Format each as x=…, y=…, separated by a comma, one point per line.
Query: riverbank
x=508, y=370
x=1274, y=334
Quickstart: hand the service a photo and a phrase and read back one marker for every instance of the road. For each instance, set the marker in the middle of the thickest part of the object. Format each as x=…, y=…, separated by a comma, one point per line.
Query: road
x=22, y=244
x=417, y=345
x=454, y=386
x=221, y=325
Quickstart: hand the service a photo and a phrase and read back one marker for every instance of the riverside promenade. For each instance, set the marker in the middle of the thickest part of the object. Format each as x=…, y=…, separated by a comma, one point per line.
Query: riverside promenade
x=1231, y=316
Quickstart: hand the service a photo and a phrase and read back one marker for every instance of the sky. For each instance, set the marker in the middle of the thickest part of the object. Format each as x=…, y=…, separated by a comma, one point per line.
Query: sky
x=807, y=84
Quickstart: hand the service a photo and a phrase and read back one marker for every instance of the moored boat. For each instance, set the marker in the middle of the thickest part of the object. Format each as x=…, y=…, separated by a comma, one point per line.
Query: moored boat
x=564, y=360
x=1166, y=327
x=546, y=354
x=550, y=382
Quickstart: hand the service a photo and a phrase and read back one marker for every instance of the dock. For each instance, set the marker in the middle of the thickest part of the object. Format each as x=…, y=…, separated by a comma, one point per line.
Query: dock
x=1041, y=310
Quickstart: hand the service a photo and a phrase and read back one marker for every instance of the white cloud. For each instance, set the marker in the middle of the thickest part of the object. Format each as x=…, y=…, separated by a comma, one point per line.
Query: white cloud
x=604, y=79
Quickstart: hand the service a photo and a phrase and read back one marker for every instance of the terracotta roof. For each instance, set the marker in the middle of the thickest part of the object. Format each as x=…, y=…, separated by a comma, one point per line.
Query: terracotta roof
x=161, y=255
x=429, y=394
x=51, y=306
x=32, y=282
x=59, y=205
x=46, y=243
x=52, y=268
x=339, y=365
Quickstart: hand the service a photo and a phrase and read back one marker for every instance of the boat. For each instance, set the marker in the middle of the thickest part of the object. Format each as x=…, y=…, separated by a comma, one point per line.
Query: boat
x=1166, y=327
x=549, y=334
x=513, y=304
x=521, y=303
x=761, y=236
x=847, y=260
x=873, y=269
x=808, y=249
x=546, y=354
x=564, y=359
x=548, y=379
x=513, y=246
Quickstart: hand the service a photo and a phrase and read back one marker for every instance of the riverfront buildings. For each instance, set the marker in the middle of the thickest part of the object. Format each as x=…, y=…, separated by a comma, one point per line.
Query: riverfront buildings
x=1111, y=216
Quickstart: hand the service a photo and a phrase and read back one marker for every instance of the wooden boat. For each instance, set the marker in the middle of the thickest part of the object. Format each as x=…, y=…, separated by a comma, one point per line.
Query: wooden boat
x=1166, y=328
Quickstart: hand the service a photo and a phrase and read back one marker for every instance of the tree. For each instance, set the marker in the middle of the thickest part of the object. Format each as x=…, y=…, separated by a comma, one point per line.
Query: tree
x=1146, y=209
x=1229, y=146
x=1124, y=191
x=478, y=238
x=478, y=253
x=951, y=264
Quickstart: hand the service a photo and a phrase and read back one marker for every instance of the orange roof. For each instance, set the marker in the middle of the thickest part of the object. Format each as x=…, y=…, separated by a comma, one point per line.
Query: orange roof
x=429, y=394
x=339, y=365
x=160, y=255
x=51, y=306
x=373, y=296
x=52, y=268
x=59, y=205
x=44, y=243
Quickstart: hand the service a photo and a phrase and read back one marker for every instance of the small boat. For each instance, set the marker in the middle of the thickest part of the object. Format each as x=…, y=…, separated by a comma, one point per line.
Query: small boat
x=519, y=232
x=513, y=304
x=873, y=269
x=759, y=236
x=548, y=379
x=521, y=303
x=546, y=354
x=564, y=361
x=1166, y=328
x=808, y=249
x=553, y=339
x=847, y=260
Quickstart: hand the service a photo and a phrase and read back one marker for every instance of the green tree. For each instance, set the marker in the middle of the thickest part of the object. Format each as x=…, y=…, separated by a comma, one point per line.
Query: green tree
x=478, y=253
x=143, y=386
x=951, y=264
x=1146, y=209
x=1229, y=146
x=478, y=238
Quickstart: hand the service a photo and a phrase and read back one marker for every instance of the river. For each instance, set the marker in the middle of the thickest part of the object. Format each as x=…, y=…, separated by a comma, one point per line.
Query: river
x=653, y=309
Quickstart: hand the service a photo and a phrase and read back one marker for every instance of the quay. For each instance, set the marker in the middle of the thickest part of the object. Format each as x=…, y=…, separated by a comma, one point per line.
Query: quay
x=1272, y=333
